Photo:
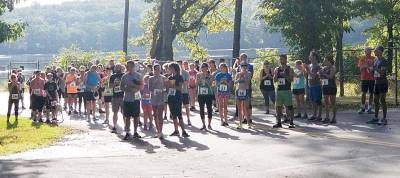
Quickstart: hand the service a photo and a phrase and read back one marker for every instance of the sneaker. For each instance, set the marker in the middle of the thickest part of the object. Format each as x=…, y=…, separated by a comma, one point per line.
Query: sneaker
x=48, y=121
x=176, y=133
x=239, y=127
x=128, y=136
x=225, y=124
x=370, y=111
x=333, y=121
x=23, y=107
x=312, y=118
x=279, y=125
x=145, y=127
x=69, y=112
x=291, y=126
x=373, y=121
x=184, y=134
x=95, y=119
x=203, y=128
x=326, y=121
x=192, y=108
x=75, y=112
x=189, y=123
x=383, y=122
x=136, y=135
x=106, y=122
x=361, y=111
x=267, y=112
x=298, y=116
x=209, y=127
x=286, y=120
x=244, y=121
x=305, y=116
x=165, y=118
x=318, y=119
x=114, y=130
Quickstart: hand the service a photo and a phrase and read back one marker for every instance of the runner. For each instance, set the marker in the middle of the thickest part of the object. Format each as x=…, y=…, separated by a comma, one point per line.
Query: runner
x=108, y=93
x=14, y=96
x=131, y=84
x=101, y=88
x=224, y=86
x=366, y=65
x=167, y=74
x=267, y=85
x=175, y=98
x=329, y=88
x=314, y=84
x=118, y=94
x=205, y=94
x=242, y=78
x=52, y=99
x=157, y=86
x=91, y=81
x=185, y=91
x=81, y=90
x=71, y=81
x=192, y=86
x=213, y=71
x=381, y=67
x=243, y=59
x=299, y=89
x=146, y=105
x=21, y=80
x=61, y=86
x=37, y=100
x=283, y=76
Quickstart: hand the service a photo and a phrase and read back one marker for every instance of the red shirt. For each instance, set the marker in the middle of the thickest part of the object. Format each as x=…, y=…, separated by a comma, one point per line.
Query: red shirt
x=366, y=65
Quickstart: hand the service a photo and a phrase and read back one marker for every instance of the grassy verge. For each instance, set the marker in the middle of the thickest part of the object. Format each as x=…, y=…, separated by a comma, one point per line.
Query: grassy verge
x=22, y=135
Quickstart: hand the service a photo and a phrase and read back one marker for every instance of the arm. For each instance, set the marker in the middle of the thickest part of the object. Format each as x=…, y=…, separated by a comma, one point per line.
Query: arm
x=276, y=74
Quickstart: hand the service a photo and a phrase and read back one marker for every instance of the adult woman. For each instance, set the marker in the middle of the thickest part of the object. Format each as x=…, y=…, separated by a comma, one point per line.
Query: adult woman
x=14, y=94
x=157, y=87
x=298, y=88
x=329, y=89
x=175, y=98
x=224, y=85
x=81, y=89
x=267, y=85
x=205, y=92
x=91, y=81
x=192, y=86
x=242, y=93
x=108, y=93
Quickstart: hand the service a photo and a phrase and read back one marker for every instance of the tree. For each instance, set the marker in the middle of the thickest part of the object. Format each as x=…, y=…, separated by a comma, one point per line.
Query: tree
x=237, y=28
x=170, y=19
x=9, y=31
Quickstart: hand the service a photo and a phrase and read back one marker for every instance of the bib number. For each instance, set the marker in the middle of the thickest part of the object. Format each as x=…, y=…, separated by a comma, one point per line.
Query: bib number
x=171, y=92
x=281, y=81
x=242, y=93
x=267, y=82
x=117, y=89
x=72, y=84
x=324, y=82
x=53, y=103
x=203, y=91
x=296, y=81
x=376, y=74
x=157, y=92
x=37, y=92
x=223, y=88
x=138, y=96
x=15, y=96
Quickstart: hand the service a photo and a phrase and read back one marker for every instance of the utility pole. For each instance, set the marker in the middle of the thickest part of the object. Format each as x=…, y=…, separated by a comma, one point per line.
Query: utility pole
x=126, y=28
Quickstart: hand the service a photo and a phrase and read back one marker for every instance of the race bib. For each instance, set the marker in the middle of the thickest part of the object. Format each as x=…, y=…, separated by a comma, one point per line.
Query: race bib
x=117, y=89
x=203, y=91
x=192, y=77
x=172, y=92
x=108, y=92
x=223, y=88
x=267, y=82
x=72, y=84
x=146, y=97
x=324, y=82
x=296, y=80
x=157, y=92
x=15, y=96
x=138, y=96
x=37, y=92
x=241, y=93
x=376, y=74
x=53, y=103
x=281, y=81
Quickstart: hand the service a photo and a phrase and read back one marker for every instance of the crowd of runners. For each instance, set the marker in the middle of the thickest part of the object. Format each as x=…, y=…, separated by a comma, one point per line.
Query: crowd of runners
x=150, y=90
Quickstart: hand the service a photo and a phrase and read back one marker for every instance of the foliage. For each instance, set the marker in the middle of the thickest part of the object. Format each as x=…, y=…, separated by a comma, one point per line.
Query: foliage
x=9, y=31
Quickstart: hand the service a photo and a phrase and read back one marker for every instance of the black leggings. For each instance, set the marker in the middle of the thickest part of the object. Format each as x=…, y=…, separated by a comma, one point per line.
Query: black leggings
x=80, y=100
x=16, y=105
x=205, y=100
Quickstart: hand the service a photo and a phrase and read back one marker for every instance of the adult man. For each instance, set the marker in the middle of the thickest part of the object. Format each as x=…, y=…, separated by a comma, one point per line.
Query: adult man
x=21, y=80
x=283, y=75
x=131, y=84
x=366, y=64
x=37, y=96
x=185, y=91
x=243, y=59
x=91, y=81
x=381, y=68
x=118, y=94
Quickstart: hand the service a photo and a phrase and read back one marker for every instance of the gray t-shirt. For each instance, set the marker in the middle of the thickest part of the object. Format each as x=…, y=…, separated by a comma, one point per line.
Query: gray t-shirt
x=186, y=78
x=157, y=89
x=128, y=79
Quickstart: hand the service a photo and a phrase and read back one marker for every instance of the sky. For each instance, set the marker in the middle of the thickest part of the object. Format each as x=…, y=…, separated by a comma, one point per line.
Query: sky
x=41, y=2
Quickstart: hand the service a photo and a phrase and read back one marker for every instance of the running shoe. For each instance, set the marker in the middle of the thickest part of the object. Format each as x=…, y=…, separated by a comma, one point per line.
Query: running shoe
x=203, y=128
x=267, y=112
x=370, y=111
x=286, y=120
x=305, y=116
x=136, y=135
x=175, y=133
x=361, y=111
x=189, y=123
x=128, y=136
x=114, y=130
x=209, y=127
x=333, y=121
x=278, y=125
x=244, y=121
x=184, y=134
x=373, y=121
x=383, y=122
x=291, y=126
x=106, y=122
x=326, y=121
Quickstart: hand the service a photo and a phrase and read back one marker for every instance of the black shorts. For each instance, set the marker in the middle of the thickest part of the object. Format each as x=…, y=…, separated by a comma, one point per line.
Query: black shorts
x=37, y=103
x=367, y=86
x=89, y=96
x=381, y=88
x=72, y=95
x=107, y=99
x=175, y=105
x=301, y=91
x=61, y=93
x=49, y=105
x=329, y=90
x=131, y=109
x=185, y=98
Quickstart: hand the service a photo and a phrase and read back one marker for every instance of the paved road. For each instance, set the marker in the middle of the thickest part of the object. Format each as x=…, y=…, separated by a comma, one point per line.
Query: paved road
x=349, y=149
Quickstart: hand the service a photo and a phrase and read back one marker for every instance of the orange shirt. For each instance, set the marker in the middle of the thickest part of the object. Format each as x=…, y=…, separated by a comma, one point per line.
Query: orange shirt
x=366, y=64
x=71, y=82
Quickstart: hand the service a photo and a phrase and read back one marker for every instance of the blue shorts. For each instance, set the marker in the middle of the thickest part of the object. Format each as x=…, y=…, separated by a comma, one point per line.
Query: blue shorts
x=315, y=94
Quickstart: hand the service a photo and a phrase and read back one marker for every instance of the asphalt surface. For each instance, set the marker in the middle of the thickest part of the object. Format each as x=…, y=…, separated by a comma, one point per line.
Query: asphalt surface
x=350, y=148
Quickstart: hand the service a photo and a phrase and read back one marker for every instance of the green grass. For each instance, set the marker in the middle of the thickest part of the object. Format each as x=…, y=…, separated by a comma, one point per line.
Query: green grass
x=23, y=135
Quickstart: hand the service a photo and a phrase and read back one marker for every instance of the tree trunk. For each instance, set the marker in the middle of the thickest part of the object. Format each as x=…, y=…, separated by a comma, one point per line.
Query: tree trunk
x=390, y=43
x=237, y=28
x=339, y=56
x=166, y=36
x=126, y=27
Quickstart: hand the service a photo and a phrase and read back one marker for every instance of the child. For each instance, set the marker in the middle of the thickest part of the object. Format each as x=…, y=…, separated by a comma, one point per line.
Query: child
x=146, y=105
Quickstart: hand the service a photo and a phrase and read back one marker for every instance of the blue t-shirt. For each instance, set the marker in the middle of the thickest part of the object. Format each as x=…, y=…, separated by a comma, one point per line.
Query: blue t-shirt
x=223, y=79
x=92, y=79
x=381, y=67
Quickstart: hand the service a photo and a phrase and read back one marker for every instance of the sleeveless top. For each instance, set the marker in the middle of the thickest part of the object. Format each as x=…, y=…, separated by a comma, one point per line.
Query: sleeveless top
x=146, y=91
x=298, y=80
x=107, y=90
x=283, y=82
x=203, y=87
x=267, y=84
x=326, y=81
x=242, y=81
